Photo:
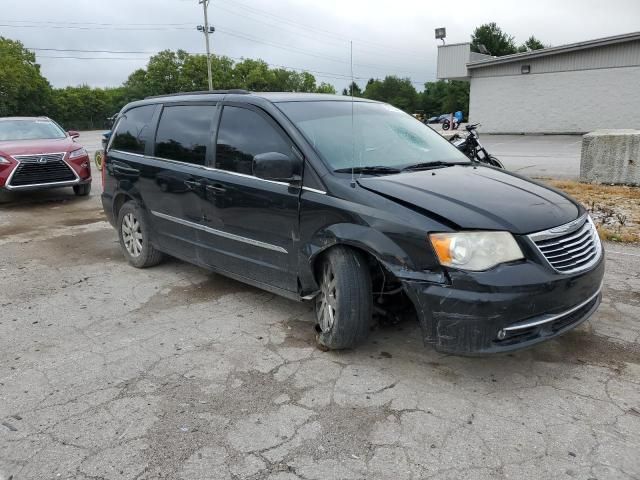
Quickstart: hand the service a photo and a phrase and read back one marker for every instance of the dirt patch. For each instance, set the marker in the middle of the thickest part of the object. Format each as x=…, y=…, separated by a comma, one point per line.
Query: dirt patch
x=614, y=208
x=215, y=287
x=98, y=216
x=586, y=348
x=300, y=333
x=83, y=248
x=15, y=230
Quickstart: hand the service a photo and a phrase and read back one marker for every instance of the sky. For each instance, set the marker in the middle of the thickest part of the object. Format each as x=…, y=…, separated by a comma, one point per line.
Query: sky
x=388, y=37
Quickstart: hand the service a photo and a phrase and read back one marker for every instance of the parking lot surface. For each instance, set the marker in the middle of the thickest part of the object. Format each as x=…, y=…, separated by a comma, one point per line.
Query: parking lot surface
x=542, y=156
x=538, y=156
x=108, y=372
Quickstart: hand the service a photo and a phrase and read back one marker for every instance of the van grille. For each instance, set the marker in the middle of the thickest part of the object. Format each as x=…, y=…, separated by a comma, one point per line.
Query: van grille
x=570, y=248
x=41, y=169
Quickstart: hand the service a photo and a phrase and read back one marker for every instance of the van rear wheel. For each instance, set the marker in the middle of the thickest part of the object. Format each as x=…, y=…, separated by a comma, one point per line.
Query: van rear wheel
x=135, y=237
x=344, y=305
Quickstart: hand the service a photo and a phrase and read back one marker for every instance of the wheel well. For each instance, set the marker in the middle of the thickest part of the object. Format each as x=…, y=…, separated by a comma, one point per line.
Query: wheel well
x=119, y=201
x=372, y=261
x=389, y=299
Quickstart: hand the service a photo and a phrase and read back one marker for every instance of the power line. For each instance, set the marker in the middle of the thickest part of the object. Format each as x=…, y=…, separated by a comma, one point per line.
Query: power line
x=340, y=43
x=93, y=58
x=306, y=26
x=96, y=23
x=305, y=52
x=318, y=73
x=233, y=33
x=78, y=27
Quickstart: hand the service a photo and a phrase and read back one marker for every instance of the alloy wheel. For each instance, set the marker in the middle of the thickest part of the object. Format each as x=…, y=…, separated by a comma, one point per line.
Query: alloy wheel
x=326, y=307
x=132, y=235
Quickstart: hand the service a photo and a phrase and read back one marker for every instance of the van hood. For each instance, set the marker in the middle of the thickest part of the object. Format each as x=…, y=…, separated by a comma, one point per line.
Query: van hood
x=476, y=197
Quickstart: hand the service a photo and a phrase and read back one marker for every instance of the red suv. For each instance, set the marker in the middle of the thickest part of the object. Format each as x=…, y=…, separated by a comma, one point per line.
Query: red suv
x=36, y=153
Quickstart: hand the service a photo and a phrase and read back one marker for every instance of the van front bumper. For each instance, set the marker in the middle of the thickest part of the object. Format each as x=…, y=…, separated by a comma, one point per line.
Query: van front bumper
x=505, y=309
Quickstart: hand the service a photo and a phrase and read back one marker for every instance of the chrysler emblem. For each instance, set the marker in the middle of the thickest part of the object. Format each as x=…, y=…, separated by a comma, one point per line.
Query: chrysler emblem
x=568, y=226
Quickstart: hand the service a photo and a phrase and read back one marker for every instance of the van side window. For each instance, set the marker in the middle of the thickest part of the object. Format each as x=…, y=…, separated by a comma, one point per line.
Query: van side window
x=132, y=132
x=184, y=132
x=243, y=134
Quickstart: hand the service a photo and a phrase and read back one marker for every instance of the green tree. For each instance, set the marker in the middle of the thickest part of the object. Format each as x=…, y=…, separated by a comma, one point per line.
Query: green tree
x=23, y=89
x=445, y=97
x=357, y=91
x=532, y=43
x=253, y=75
x=496, y=41
x=136, y=86
x=325, y=88
x=399, y=92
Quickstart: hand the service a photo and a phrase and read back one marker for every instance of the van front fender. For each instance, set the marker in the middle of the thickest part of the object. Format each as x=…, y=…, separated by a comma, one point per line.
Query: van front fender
x=384, y=249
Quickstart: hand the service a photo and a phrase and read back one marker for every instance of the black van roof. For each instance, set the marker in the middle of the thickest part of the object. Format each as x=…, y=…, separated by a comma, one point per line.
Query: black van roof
x=274, y=97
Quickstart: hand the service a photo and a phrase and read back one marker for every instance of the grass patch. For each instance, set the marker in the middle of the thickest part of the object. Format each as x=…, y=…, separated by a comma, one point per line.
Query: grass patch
x=615, y=209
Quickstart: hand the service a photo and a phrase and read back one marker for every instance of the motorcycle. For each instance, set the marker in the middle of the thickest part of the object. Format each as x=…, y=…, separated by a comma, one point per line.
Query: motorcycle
x=446, y=124
x=472, y=148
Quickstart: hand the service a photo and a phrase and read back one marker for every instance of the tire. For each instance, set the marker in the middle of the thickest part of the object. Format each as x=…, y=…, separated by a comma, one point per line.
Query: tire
x=446, y=125
x=134, y=235
x=344, y=305
x=82, y=190
x=494, y=162
x=5, y=197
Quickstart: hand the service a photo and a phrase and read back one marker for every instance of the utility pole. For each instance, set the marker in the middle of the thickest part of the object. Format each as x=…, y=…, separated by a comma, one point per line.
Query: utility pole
x=206, y=29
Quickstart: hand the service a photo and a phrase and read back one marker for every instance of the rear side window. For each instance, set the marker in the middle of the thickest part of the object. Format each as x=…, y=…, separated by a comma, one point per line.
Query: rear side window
x=243, y=134
x=184, y=133
x=132, y=132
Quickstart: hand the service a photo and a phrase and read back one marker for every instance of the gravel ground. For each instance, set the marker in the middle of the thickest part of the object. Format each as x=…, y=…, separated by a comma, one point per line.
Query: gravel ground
x=108, y=372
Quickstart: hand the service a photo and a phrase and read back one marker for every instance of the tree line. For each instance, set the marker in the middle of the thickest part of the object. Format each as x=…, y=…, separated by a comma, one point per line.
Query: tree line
x=25, y=91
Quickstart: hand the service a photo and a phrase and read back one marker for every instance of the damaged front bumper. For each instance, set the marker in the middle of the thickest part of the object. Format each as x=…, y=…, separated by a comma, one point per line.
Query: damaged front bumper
x=508, y=308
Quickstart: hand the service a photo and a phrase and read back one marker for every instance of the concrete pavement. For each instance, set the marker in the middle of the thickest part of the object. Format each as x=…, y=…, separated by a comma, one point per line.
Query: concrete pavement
x=550, y=156
x=108, y=372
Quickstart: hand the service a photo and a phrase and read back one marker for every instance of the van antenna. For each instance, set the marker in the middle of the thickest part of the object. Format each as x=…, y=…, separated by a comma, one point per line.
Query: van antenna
x=353, y=141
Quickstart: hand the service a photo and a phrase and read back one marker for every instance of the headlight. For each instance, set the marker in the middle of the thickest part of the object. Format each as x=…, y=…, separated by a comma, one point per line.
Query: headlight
x=4, y=161
x=81, y=152
x=475, y=250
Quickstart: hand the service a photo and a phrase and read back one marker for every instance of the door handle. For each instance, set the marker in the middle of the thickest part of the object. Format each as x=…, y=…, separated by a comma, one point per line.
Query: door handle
x=126, y=170
x=216, y=189
x=193, y=184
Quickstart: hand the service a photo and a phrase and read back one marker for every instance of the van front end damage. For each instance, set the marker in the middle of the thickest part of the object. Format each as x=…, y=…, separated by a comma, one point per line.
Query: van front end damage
x=507, y=308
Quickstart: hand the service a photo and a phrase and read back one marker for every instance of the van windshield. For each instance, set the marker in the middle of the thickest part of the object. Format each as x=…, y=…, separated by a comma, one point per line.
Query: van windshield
x=380, y=135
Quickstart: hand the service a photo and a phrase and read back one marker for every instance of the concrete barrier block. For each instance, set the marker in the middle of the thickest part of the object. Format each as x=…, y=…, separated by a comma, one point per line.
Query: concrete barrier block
x=611, y=156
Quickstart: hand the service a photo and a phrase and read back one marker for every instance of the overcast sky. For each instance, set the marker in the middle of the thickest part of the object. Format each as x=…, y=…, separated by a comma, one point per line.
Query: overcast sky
x=389, y=37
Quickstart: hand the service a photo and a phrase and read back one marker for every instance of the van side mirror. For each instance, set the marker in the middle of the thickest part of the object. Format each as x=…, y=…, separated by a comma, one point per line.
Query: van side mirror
x=275, y=166
x=73, y=134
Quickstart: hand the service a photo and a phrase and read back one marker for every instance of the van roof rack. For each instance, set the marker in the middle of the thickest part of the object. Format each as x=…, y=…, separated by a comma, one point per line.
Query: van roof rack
x=236, y=91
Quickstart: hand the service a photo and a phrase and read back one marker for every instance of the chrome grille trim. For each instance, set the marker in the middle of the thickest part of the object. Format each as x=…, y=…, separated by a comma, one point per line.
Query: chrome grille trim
x=551, y=318
x=570, y=248
x=49, y=157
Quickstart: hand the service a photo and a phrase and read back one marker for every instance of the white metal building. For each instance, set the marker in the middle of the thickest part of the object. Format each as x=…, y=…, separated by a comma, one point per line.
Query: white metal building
x=574, y=88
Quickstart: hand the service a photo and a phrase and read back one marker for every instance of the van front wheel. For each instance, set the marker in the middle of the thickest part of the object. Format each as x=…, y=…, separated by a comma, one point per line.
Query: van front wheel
x=343, y=306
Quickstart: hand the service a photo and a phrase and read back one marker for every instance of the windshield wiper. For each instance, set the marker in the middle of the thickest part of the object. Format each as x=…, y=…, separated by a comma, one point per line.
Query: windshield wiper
x=370, y=169
x=434, y=164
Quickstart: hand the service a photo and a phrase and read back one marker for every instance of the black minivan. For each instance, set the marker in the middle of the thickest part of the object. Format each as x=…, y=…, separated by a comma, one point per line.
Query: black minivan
x=356, y=206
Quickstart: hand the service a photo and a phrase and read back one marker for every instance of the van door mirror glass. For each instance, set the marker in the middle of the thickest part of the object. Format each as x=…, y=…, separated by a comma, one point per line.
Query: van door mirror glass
x=275, y=166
